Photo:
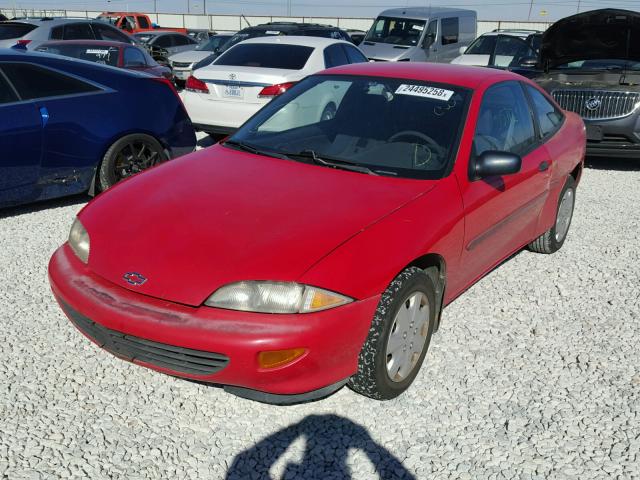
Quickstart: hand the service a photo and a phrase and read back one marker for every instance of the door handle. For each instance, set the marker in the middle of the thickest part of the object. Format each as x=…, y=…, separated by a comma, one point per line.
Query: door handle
x=44, y=114
x=544, y=165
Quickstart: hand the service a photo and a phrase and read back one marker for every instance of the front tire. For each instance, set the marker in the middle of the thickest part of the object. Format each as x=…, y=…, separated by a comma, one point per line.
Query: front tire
x=399, y=337
x=127, y=156
x=552, y=240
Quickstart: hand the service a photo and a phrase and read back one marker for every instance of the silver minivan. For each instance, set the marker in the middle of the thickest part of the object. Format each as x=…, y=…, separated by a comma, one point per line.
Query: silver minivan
x=420, y=34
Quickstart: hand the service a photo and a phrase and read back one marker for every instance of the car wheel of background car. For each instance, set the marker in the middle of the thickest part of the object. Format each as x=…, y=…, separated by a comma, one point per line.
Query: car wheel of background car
x=399, y=337
x=329, y=112
x=128, y=156
x=551, y=241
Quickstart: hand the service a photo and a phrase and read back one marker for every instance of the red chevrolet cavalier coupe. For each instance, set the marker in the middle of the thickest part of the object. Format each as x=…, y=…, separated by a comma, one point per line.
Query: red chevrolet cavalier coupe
x=318, y=245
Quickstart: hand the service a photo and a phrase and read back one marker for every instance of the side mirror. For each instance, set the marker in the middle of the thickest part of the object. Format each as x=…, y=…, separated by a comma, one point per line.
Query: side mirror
x=528, y=62
x=462, y=50
x=496, y=164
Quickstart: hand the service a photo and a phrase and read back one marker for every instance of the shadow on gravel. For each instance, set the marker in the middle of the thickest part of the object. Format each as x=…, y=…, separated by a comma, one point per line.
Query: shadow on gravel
x=44, y=205
x=620, y=164
x=328, y=439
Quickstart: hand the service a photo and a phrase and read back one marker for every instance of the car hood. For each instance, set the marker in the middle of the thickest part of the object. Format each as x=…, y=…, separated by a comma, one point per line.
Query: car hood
x=595, y=35
x=384, y=51
x=190, y=56
x=219, y=216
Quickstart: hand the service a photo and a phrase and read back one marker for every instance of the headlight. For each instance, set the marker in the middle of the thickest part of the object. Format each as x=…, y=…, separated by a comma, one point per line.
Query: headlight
x=275, y=297
x=79, y=240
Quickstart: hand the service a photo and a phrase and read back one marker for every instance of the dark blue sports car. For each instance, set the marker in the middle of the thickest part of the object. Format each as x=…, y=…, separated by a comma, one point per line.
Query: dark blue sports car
x=69, y=126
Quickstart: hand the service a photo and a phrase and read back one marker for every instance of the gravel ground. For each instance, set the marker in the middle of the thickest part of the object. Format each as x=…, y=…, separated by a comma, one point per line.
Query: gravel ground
x=535, y=373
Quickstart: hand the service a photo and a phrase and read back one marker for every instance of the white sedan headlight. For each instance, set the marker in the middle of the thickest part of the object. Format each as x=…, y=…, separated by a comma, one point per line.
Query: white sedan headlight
x=275, y=297
x=79, y=240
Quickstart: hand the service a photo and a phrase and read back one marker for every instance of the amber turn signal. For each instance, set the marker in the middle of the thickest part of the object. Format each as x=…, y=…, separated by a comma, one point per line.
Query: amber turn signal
x=278, y=358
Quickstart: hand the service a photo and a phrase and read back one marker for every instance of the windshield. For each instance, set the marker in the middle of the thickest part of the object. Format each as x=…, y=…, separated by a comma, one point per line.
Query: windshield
x=103, y=55
x=398, y=31
x=483, y=45
x=212, y=43
x=604, y=64
x=287, y=57
x=394, y=127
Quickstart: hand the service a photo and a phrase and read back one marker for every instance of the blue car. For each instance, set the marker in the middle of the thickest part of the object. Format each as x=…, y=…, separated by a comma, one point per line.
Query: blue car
x=69, y=126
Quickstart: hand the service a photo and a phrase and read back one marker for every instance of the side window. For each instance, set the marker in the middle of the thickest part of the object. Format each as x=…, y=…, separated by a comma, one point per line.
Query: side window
x=504, y=122
x=143, y=22
x=6, y=92
x=33, y=81
x=179, y=40
x=431, y=35
x=78, y=31
x=106, y=32
x=134, y=57
x=549, y=118
x=163, y=41
x=450, y=30
x=334, y=56
x=57, y=33
x=354, y=55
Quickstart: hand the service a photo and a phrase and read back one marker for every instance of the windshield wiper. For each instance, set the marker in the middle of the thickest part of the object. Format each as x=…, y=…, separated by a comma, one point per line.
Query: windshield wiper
x=245, y=147
x=332, y=162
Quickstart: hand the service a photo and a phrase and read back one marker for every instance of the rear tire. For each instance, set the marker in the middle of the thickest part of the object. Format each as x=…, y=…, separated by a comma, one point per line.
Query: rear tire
x=127, y=156
x=399, y=337
x=552, y=240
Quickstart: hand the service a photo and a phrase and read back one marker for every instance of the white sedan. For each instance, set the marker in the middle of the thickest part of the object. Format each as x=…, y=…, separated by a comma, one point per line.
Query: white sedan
x=222, y=96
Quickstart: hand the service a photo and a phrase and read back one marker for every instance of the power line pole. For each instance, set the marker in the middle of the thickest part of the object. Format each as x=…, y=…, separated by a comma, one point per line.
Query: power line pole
x=530, y=8
x=578, y=9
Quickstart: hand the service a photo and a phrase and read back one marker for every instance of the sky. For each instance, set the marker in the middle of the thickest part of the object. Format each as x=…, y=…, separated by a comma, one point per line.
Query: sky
x=544, y=10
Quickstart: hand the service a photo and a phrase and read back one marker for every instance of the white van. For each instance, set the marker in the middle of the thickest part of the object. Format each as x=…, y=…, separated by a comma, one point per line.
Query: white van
x=420, y=34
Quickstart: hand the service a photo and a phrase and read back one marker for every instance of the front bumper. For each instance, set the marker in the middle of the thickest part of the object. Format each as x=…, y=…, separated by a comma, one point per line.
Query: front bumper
x=229, y=341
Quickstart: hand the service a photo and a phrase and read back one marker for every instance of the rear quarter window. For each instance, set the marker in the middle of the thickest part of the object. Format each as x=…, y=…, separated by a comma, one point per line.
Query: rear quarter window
x=33, y=81
x=7, y=95
x=9, y=31
x=286, y=57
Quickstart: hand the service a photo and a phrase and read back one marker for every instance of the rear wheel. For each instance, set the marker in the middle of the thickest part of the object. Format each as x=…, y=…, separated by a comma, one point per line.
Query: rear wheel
x=398, y=338
x=552, y=240
x=128, y=156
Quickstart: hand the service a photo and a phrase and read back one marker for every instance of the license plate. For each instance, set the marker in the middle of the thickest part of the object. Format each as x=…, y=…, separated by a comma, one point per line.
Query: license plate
x=594, y=133
x=233, y=91
x=182, y=75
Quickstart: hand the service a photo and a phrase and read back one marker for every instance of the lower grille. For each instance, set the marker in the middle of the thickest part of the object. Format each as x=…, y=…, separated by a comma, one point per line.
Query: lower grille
x=597, y=104
x=177, y=359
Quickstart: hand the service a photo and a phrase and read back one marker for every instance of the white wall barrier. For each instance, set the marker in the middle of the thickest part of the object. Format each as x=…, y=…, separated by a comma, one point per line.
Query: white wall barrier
x=232, y=23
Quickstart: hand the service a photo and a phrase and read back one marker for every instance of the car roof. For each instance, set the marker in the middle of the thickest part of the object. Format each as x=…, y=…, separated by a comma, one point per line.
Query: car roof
x=284, y=26
x=97, y=43
x=460, y=75
x=155, y=33
x=510, y=33
x=304, y=41
x=41, y=22
x=423, y=12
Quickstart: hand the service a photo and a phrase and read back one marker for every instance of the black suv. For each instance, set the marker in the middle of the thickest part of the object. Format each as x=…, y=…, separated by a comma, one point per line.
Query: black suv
x=277, y=28
x=590, y=64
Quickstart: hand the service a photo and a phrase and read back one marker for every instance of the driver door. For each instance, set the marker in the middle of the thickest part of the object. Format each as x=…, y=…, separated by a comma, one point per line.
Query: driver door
x=501, y=213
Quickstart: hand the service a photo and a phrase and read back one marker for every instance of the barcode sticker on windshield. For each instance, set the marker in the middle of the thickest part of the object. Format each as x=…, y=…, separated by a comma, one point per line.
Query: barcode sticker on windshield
x=425, y=91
